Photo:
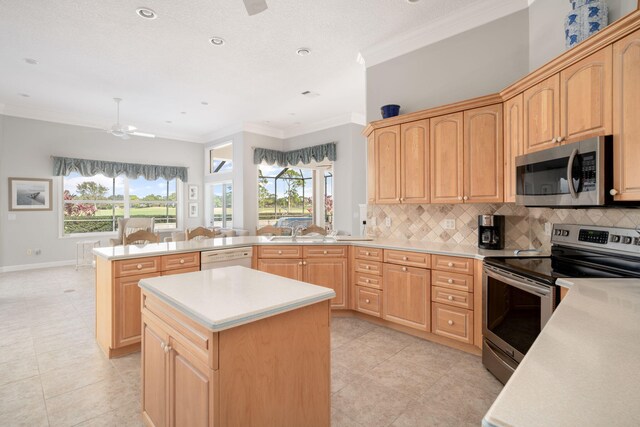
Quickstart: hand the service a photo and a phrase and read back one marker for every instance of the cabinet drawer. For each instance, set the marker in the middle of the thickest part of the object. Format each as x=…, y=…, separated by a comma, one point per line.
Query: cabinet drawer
x=133, y=267
x=454, y=264
x=181, y=261
x=368, y=267
x=411, y=259
x=368, y=301
x=324, y=251
x=279, y=252
x=460, y=282
x=452, y=297
x=368, y=280
x=452, y=322
x=180, y=271
x=371, y=254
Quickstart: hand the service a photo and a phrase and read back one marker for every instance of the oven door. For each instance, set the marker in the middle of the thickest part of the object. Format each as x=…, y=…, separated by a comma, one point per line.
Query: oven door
x=515, y=310
x=568, y=175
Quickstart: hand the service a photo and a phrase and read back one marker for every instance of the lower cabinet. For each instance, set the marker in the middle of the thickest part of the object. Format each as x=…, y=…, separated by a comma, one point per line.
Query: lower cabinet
x=369, y=301
x=330, y=273
x=406, y=296
x=453, y=322
x=154, y=374
x=289, y=268
x=127, y=300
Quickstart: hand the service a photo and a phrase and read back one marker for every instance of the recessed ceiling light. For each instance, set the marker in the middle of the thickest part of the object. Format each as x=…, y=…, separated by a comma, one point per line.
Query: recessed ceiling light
x=292, y=114
x=412, y=1
x=217, y=41
x=31, y=61
x=204, y=103
x=168, y=121
x=25, y=95
x=183, y=112
x=146, y=13
x=303, y=51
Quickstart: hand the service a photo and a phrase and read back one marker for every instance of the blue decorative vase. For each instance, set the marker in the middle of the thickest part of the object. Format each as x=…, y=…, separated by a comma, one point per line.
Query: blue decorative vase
x=390, y=111
x=586, y=18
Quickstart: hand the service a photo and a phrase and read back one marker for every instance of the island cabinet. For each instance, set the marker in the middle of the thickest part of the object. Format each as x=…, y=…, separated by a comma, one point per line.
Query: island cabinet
x=118, y=296
x=323, y=265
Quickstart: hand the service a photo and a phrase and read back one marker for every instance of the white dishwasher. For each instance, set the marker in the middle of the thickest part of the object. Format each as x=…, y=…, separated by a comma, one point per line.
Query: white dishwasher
x=226, y=258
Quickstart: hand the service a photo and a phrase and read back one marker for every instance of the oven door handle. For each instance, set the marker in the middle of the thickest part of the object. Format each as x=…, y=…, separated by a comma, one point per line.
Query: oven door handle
x=539, y=290
x=572, y=159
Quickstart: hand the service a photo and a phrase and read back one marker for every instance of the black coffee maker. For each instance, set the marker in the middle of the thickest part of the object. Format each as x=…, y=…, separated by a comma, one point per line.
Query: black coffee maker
x=490, y=231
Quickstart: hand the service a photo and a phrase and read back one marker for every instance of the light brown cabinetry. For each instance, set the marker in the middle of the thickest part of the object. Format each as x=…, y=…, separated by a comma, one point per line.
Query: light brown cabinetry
x=447, y=158
x=414, y=162
x=371, y=167
x=331, y=273
x=369, y=301
x=406, y=293
x=542, y=115
x=513, y=144
x=453, y=322
x=367, y=280
x=626, y=122
x=289, y=268
x=387, y=161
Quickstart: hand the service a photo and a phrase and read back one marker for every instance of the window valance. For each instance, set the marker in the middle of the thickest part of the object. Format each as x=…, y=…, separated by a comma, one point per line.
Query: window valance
x=292, y=158
x=65, y=165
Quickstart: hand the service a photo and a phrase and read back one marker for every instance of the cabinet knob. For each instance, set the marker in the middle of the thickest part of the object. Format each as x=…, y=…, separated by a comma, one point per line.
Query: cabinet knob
x=450, y=281
x=367, y=253
x=450, y=298
x=404, y=268
x=450, y=322
x=304, y=262
x=459, y=197
x=181, y=261
x=402, y=199
x=167, y=348
x=162, y=344
x=554, y=140
x=279, y=252
x=367, y=267
x=367, y=280
x=560, y=139
x=139, y=266
x=325, y=252
x=613, y=192
x=465, y=198
x=450, y=264
x=367, y=300
x=300, y=263
x=404, y=258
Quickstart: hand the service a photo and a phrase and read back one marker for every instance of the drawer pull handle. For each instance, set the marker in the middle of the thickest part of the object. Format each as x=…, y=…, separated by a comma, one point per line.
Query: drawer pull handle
x=181, y=261
x=450, y=281
x=325, y=252
x=139, y=266
x=404, y=258
x=450, y=264
x=367, y=300
x=279, y=252
x=450, y=298
x=450, y=322
x=404, y=268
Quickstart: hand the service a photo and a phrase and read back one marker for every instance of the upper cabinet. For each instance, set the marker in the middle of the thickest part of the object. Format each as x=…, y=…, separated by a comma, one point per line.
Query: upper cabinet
x=626, y=113
x=542, y=115
x=371, y=166
x=387, y=164
x=447, y=158
x=483, y=151
x=585, y=97
x=513, y=143
x=414, y=162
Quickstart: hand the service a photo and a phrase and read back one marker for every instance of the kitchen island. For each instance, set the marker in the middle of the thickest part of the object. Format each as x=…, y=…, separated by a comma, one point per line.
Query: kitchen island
x=235, y=346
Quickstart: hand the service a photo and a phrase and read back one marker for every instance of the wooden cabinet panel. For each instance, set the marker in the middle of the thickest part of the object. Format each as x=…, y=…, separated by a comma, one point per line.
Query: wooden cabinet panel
x=136, y=266
x=368, y=267
x=330, y=273
x=290, y=268
x=368, y=301
x=483, y=151
x=324, y=251
x=180, y=261
x=410, y=259
x=181, y=271
x=127, y=306
x=154, y=375
x=371, y=169
x=407, y=296
x=371, y=254
x=452, y=322
x=452, y=297
x=452, y=264
x=368, y=280
x=283, y=251
x=387, y=153
x=414, y=162
x=626, y=125
x=542, y=115
x=586, y=96
x=447, y=159
x=456, y=281
x=513, y=144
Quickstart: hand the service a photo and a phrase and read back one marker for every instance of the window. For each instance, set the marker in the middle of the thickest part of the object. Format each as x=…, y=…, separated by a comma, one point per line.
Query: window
x=222, y=205
x=221, y=158
x=295, y=196
x=94, y=204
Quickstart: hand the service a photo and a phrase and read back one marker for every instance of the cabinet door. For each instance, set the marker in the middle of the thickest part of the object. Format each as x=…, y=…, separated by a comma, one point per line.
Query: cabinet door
x=542, y=115
x=586, y=88
x=447, y=161
x=414, y=162
x=626, y=125
x=513, y=144
x=290, y=268
x=371, y=169
x=192, y=389
x=127, y=317
x=387, y=153
x=331, y=273
x=483, y=154
x=154, y=374
x=407, y=296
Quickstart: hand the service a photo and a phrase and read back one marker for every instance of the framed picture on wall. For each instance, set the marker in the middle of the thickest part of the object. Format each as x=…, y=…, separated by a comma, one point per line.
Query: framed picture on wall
x=193, y=192
x=30, y=194
x=193, y=210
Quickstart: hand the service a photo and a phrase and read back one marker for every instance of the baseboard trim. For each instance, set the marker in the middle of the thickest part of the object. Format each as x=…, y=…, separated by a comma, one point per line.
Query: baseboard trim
x=23, y=267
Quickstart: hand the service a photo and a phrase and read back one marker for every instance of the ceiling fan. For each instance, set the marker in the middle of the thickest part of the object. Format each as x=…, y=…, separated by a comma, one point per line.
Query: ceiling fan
x=125, y=132
x=255, y=6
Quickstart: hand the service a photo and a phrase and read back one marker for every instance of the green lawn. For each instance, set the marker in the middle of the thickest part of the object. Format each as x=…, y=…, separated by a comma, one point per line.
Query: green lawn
x=146, y=212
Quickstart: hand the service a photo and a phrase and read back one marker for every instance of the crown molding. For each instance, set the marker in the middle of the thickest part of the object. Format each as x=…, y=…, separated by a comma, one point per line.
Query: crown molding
x=477, y=14
x=262, y=129
x=222, y=133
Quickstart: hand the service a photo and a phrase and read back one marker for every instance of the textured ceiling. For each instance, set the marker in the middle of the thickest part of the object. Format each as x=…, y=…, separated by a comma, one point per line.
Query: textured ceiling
x=92, y=51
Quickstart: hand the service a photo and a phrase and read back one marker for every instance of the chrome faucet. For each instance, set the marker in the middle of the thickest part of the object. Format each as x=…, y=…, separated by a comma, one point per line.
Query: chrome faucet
x=295, y=230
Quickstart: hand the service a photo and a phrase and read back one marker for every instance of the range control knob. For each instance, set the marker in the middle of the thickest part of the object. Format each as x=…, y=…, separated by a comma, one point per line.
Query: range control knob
x=615, y=238
x=565, y=233
x=626, y=240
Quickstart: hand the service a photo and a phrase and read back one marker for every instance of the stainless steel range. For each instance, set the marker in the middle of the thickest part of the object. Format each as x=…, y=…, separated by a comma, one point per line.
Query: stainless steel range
x=519, y=294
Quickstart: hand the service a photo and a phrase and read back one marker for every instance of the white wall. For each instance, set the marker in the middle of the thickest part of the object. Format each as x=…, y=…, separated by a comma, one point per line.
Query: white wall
x=546, y=27
x=25, y=149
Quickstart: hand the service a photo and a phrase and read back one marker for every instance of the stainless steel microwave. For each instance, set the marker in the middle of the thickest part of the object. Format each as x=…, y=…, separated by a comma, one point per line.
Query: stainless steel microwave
x=571, y=175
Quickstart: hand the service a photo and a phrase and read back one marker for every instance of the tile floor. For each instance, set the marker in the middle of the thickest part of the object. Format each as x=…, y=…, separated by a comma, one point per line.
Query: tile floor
x=52, y=372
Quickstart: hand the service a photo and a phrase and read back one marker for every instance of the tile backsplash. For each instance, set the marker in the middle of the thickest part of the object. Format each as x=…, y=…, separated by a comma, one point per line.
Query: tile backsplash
x=524, y=228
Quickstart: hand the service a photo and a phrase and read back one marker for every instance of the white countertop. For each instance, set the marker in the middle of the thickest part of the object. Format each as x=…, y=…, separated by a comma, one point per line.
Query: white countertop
x=584, y=367
x=154, y=249
x=232, y=296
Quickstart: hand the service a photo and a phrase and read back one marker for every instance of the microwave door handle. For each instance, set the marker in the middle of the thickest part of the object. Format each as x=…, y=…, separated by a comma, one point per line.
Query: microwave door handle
x=572, y=159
